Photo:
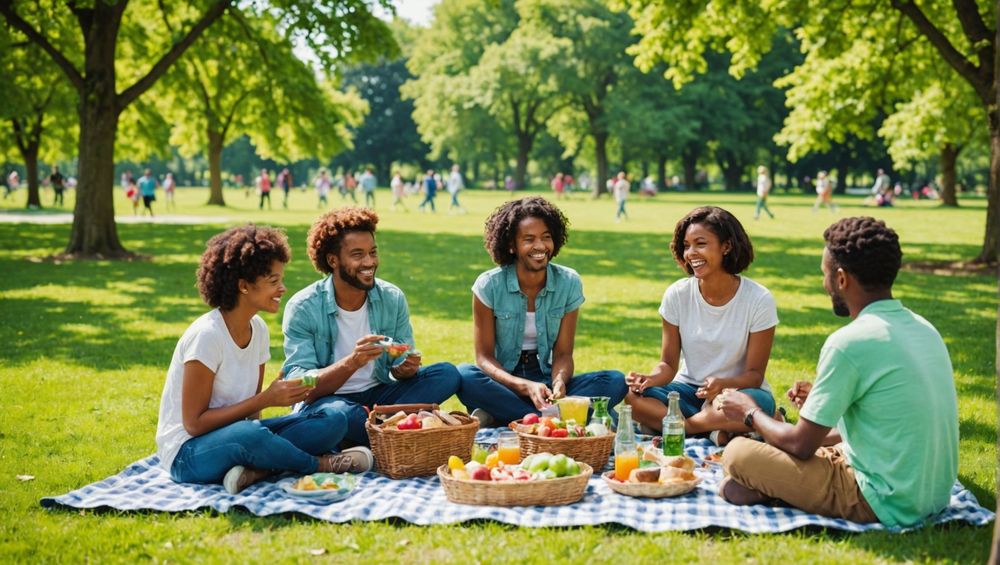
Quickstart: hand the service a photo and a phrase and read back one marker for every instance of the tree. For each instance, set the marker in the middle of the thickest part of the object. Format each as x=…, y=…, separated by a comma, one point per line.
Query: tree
x=247, y=80
x=36, y=105
x=331, y=28
x=961, y=33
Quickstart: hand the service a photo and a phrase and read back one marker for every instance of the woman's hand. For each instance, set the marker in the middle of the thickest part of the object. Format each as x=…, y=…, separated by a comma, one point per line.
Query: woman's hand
x=538, y=393
x=712, y=387
x=637, y=382
x=285, y=393
x=558, y=390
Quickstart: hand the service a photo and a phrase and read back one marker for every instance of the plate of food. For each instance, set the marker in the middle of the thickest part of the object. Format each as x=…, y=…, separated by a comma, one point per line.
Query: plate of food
x=327, y=487
x=673, y=476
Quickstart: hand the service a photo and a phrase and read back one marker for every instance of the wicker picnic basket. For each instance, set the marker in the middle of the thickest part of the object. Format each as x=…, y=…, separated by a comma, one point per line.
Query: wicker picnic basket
x=413, y=453
x=649, y=490
x=593, y=451
x=549, y=492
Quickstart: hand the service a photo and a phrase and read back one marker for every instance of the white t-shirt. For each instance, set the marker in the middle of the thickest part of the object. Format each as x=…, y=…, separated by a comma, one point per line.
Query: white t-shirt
x=237, y=372
x=714, y=338
x=352, y=326
x=822, y=186
x=620, y=190
x=530, y=333
x=455, y=182
x=763, y=186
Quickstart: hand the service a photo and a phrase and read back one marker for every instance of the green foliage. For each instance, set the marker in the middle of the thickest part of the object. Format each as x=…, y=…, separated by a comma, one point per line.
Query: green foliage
x=88, y=344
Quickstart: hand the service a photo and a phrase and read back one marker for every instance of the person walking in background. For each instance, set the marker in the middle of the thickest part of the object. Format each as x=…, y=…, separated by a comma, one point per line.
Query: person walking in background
x=264, y=188
x=368, y=183
x=568, y=186
x=882, y=189
x=558, y=186
x=147, y=187
x=132, y=193
x=285, y=182
x=455, y=184
x=13, y=181
x=430, y=191
x=322, y=188
x=168, y=190
x=508, y=185
x=824, y=193
x=58, y=185
x=763, y=189
x=350, y=184
x=620, y=191
x=398, y=188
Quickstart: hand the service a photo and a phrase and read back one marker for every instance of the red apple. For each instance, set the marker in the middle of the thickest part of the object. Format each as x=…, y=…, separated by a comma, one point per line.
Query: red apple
x=530, y=419
x=481, y=473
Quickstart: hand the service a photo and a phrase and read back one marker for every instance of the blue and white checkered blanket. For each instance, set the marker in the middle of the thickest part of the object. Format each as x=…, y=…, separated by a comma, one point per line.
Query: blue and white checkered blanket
x=144, y=486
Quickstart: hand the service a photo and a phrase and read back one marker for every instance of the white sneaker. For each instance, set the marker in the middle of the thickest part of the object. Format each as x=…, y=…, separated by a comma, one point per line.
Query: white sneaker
x=485, y=418
x=232, y=481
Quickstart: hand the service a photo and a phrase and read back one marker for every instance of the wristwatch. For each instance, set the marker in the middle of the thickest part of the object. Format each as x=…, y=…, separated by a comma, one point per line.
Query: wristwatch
x=748, y=419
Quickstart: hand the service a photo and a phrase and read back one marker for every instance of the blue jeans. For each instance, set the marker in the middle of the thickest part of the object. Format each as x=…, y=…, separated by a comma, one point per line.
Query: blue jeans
x=431, y=385
x=621, y=210
x=480, y=391
x=370, y=198
x=285, y=443
x=454, y=200
x=429, y=199
x=762, y=204
x=691, y=404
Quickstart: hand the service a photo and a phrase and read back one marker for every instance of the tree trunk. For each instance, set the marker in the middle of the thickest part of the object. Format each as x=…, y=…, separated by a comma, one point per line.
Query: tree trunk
x=843, y=166
x=215, y=142
x=524, y=143
x=661, y=172
x=601, y=156
x=94, y=233
x=949, y=156
x=732, y=173
x=30, y=156
x=991, y=240
x=689, y=157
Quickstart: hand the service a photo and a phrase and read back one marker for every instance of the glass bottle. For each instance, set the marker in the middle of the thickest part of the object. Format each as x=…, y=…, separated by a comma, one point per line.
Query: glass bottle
x=601, y=415
x=673, y=426
x=626, y=449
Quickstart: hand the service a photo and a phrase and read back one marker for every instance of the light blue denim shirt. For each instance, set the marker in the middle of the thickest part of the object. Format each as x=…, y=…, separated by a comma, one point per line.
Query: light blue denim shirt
x=499, y=290
x=310, y=326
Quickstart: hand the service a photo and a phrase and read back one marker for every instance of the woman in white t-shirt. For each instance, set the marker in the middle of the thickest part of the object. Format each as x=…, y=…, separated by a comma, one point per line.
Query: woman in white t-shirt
x=718, y=328
x=209, y=429
x=824, y=192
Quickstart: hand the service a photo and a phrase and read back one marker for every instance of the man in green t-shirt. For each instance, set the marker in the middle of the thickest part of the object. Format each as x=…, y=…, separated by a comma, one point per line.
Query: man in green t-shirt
x=877, y=436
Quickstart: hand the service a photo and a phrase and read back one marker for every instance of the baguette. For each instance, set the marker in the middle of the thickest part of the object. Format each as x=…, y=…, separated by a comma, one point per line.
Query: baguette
x=447, y=418
x=394, y=419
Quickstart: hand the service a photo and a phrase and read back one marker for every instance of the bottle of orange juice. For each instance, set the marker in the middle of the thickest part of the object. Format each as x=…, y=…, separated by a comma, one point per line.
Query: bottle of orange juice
x=626, y=452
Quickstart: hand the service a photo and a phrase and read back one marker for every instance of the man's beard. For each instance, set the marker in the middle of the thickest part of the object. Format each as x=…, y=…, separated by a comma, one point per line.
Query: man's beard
x=353, y=280
x=839, y=306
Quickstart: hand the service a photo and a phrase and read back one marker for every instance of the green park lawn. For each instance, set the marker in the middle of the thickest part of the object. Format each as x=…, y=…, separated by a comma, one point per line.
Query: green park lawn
x=88, y=345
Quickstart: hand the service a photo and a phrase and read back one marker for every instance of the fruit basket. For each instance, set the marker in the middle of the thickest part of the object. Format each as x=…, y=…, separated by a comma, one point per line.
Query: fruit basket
x=548, y=492
x=649, y=490
x=403, y=453
x=593, y=450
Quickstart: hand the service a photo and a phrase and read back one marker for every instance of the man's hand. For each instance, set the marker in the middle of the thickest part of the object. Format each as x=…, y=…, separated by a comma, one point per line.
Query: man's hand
x=285, y=393
x=365, y=350
x=558, y=390
x=735, y=405
x=408, y=367
x=712, y=387
x=637, y=382
x=538, y=393
x=799, y=392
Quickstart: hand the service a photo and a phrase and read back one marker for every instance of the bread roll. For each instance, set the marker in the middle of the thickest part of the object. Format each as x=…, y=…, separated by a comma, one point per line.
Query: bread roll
x=675, y=475
x=679, y=462
x=647, y=475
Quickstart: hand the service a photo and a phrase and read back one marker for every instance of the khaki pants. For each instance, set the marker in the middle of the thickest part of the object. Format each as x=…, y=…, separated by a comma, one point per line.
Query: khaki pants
x=823, y=484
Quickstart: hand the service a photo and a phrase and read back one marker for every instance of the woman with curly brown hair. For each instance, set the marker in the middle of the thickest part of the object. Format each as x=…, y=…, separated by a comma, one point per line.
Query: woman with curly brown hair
x=209, y=428
x=525, y=312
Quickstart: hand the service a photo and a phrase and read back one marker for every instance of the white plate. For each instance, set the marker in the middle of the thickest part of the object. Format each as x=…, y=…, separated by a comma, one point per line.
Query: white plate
x=347, y=482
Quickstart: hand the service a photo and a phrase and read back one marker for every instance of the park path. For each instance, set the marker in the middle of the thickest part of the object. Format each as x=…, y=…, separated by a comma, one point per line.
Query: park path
x=43, y=217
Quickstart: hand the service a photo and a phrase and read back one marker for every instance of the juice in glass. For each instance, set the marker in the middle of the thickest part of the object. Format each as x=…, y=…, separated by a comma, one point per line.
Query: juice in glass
x=624, y=463
x=508, y=448
x=574, y=408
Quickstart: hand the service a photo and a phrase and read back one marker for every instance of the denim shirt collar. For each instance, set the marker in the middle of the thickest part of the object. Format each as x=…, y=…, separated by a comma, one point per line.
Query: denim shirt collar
x=510, y=273
x=374, y=296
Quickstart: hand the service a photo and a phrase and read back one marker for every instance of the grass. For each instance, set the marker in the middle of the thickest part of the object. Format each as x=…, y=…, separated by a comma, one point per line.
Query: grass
x=88, y=344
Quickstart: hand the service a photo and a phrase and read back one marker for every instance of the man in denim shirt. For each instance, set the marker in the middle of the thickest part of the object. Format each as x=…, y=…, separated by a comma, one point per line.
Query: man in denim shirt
x=525, y=314
x=334, y=326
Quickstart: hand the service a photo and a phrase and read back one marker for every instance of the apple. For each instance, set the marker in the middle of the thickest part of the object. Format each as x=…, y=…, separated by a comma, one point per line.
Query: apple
x=560, y=432
x=480, y=473
x=558, y=464
x=530, y=419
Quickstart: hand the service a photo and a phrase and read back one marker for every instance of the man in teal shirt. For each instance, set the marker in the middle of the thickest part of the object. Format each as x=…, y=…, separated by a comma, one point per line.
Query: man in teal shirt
x=883, y=404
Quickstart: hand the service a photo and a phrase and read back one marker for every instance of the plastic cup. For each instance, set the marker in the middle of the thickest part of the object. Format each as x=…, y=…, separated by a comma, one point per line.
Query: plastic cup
x=509, y=448
x=574, y=408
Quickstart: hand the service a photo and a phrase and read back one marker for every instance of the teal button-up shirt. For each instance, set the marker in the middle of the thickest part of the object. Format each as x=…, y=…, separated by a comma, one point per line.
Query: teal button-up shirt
x=499, y=290
x=310, y=326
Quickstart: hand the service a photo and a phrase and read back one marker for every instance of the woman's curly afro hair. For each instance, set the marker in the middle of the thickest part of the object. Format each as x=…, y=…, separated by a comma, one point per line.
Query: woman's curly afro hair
x=328, y=232
x=501, y=226
x=244, y=252
x=726, y=227
x=867, y=249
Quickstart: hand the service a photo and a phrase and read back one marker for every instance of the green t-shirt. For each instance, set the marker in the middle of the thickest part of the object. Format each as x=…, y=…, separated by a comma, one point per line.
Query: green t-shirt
x=885, y=381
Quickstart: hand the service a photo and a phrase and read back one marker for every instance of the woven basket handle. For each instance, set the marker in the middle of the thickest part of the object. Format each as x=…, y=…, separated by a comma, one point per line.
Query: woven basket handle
x=393, y=408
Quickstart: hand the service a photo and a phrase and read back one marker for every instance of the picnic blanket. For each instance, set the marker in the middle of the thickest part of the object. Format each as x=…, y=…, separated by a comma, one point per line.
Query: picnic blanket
x=144, y=486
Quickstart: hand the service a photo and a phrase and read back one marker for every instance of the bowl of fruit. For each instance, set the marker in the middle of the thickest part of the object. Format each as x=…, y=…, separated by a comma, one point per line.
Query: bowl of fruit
x=591, y=444
x=323, y=487
x=397, y=351
x=543, y=479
